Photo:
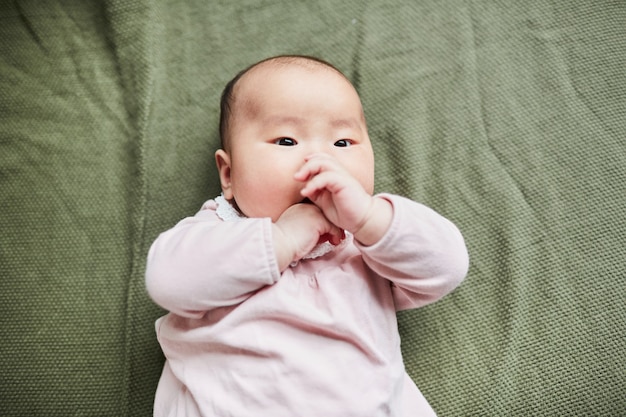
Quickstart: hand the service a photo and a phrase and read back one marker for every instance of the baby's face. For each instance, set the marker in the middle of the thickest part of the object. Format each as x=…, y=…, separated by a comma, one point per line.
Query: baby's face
x=281, y=115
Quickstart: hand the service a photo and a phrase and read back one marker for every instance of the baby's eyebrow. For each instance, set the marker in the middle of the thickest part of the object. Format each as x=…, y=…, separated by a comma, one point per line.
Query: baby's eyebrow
x=282, y=120
x=345, y=123
x=350, y=123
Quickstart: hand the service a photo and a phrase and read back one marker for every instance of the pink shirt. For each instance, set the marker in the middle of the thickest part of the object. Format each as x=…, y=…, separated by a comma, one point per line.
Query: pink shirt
x=320, y=339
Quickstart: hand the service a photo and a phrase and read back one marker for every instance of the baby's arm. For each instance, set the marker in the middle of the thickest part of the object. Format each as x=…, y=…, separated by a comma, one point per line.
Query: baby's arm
x=419, y=251
x=203, y=263
x=423, y=254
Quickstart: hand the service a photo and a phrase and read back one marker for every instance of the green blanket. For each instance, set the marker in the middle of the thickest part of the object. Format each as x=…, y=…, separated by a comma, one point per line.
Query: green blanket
x=507, y=117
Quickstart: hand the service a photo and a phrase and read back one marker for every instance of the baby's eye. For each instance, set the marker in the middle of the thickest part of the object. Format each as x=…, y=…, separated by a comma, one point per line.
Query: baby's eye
x=285, y=142
x=343, y=143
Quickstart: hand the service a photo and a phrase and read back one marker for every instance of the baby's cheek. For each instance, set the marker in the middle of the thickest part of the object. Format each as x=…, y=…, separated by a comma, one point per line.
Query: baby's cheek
x=367, y=181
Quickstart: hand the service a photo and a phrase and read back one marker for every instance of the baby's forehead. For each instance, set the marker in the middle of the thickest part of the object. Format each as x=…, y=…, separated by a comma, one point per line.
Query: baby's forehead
x=251, y=85
x=250, y=91
x=273, y=87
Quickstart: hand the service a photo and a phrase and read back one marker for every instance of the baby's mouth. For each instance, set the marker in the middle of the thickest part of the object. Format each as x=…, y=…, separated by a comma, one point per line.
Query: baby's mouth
x=306, y=201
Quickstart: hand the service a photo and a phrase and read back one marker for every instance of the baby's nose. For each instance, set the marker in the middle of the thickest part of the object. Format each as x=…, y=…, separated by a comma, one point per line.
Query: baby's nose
x=320, y=145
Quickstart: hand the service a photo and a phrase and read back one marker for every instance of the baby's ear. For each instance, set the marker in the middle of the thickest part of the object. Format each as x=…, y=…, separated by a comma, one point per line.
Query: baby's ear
x=222, y=160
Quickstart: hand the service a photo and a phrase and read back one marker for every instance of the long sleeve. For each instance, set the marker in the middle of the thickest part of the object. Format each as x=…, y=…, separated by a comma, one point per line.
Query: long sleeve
x=327, y=326
x=203, y=263
x=423, y=254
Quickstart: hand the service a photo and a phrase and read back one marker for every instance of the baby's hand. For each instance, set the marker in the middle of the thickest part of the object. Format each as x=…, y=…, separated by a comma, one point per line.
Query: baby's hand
x=298, y=230
x=342, y=198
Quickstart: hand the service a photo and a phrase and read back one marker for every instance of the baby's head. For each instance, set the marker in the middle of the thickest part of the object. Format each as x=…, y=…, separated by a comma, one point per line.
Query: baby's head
x=273, y=115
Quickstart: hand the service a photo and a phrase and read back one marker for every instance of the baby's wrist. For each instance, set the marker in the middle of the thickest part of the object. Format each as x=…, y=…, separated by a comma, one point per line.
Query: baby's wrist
x=282, y=248
x=376, y=222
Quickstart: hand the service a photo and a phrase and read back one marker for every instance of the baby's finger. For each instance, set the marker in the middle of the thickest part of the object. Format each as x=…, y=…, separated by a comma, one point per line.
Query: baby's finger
x=325, y=181
x=314, y=165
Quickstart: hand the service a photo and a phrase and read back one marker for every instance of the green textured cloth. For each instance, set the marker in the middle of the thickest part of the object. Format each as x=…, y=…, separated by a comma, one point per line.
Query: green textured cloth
x=507, y=117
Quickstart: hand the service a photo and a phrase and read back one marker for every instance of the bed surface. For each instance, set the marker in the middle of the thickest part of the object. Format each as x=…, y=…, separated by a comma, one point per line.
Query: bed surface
x=507, y=117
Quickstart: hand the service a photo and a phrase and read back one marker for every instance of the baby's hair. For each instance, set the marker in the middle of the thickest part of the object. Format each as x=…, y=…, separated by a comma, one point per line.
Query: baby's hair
x=227, y=99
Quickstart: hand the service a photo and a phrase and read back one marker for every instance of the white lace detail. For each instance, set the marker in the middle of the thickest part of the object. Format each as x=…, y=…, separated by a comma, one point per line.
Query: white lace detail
x=228, y=213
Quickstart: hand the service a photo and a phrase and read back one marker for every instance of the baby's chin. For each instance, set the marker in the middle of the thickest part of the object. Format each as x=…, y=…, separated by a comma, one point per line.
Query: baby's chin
x=258, y=212
x=253, y=212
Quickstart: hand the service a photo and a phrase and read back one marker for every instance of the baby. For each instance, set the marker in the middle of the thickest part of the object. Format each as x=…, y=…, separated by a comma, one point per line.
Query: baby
x=282, y=293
